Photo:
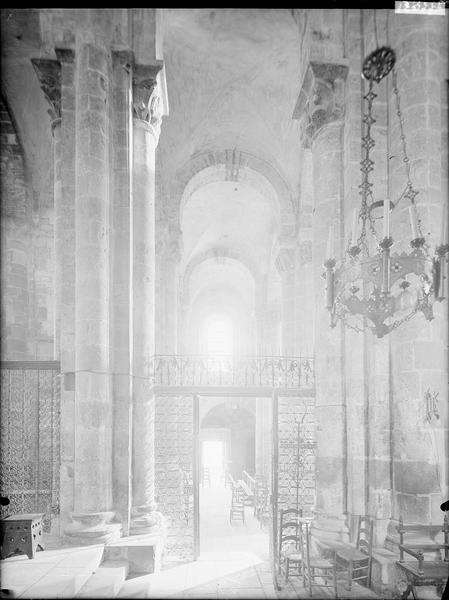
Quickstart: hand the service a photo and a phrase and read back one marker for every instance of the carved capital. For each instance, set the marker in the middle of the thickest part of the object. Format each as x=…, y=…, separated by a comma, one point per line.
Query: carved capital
x=321, y=99
x=146, y=96
x=49, y=74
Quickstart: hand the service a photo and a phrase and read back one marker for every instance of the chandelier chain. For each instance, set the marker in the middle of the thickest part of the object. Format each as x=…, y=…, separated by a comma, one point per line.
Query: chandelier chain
x=375, y=28
x=367, y=165
x=409, y=192
x=366, y=291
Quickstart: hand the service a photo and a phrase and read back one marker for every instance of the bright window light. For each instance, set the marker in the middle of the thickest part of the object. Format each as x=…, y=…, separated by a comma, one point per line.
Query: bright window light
x=218, y=335
x=213, y=459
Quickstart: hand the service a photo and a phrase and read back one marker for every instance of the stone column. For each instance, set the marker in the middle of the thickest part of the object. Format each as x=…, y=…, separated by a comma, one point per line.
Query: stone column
x=93, y=399
x=419, y=367
x=286, y=263
x=49, y=74
x=120, y=286
x=304, y=300
x=321, y=106
x=169, y=283
x=147, y=123
x=259, y=436
x=57, y=80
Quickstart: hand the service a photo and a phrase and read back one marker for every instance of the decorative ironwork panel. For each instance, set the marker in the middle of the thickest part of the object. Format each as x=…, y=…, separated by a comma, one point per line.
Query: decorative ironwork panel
x=296, y=466
x=174, y=442
x=30, y=426
x=260, y=371
x=293, y=464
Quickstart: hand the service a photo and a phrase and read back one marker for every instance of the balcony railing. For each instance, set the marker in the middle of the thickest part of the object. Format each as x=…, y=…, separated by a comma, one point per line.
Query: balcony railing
x=230, y=371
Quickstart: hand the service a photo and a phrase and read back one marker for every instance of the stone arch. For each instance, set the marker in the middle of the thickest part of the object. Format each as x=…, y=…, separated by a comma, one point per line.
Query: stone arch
x=236, y=165
x=216, y=408
x=216, y=253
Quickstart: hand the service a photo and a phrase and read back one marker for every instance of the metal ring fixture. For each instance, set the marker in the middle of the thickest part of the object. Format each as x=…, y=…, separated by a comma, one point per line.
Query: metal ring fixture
x=378, y=64
x=378, y=204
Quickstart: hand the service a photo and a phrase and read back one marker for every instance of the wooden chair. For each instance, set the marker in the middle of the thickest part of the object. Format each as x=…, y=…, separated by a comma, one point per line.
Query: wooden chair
x=237, y=510
x=423, y=570
x=357, y=560
x=290, y=542
x=317, y=571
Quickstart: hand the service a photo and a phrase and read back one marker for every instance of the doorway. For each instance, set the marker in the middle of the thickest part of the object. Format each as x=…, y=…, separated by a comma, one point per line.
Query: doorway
x=228, y=450
x=213, y=460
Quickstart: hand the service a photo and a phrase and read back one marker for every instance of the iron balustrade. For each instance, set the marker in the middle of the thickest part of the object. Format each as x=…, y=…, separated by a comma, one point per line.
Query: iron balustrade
x=233, y=371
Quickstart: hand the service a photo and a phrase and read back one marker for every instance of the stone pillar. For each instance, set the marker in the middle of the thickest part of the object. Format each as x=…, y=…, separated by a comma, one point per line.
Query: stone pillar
x=321, y=106
x=259, y=436
x=304, y=300
x=147, y=122
x=16, y=208
x=49, y=75
x=169, y=282
x=93, y=399
x=286, y=263
x=185, y=343
x=55, y=77
x=120, y=287
x=263, y=437
x=419, y=366
x=57, y=81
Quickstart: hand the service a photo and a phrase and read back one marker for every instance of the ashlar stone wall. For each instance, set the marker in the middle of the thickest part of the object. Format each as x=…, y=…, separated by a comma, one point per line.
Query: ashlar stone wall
x=27, y=253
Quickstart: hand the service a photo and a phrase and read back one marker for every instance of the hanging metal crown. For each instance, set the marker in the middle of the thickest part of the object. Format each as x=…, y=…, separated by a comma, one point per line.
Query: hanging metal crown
x=375, y=291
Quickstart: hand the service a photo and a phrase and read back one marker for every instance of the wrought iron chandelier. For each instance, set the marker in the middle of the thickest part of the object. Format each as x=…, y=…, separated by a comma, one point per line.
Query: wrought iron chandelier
x=382, y=290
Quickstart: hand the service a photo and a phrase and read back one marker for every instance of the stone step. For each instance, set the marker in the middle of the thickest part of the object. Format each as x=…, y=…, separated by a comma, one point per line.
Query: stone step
x=143, y=552
x=107, y=580
x=64, y=576
x=137, y=587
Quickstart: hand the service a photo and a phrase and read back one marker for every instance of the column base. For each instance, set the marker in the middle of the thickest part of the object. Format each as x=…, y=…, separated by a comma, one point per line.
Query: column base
x=92, y=528
x=146, y=519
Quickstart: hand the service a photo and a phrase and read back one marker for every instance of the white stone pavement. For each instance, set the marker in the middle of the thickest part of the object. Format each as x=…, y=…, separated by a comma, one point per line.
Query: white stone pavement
x=234, y=563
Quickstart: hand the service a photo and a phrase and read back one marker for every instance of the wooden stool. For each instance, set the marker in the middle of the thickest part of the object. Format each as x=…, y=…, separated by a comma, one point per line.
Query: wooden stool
x=21, y=533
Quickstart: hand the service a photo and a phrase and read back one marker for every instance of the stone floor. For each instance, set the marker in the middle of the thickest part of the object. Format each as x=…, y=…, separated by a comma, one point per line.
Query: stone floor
x=57, y=572
x=234, y=561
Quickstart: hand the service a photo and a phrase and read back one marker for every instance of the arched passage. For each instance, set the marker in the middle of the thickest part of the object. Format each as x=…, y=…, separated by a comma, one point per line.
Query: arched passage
x=232, y=424
x=230, y=217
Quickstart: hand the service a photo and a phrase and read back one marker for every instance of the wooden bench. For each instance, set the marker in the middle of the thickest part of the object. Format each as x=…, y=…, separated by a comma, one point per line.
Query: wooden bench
x=423, y=570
